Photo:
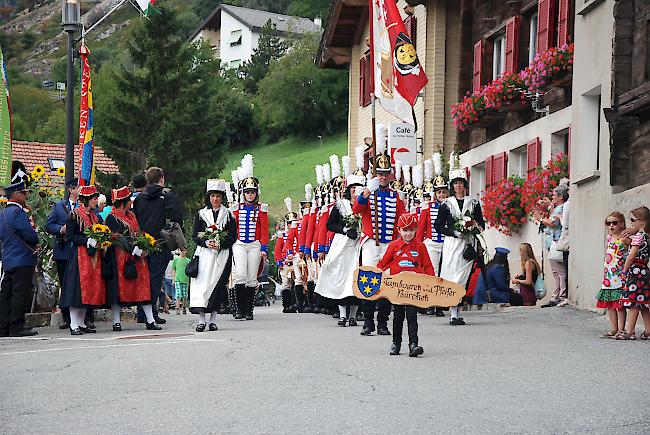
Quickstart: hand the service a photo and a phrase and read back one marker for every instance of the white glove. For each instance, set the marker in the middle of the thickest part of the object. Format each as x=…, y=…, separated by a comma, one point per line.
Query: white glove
x=457, y=233
x=373, y=184
x=91, y=243
x=137, y=251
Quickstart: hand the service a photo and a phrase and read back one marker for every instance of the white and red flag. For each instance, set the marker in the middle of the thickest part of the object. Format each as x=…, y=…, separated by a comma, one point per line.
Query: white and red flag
x=398, y=76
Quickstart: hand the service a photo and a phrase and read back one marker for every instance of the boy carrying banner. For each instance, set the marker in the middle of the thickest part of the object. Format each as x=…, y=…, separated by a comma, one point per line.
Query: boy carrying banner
x=406, y=254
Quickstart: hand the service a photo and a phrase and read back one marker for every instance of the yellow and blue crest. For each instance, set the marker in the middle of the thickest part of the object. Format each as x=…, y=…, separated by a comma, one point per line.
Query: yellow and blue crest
x=368, y=282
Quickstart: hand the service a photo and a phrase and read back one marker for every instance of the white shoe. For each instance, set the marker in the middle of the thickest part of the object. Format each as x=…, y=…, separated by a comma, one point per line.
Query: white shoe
x=563, y=303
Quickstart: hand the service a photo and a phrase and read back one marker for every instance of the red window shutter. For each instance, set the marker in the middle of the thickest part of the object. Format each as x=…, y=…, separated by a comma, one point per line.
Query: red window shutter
x=499, y=167
x=563, y=22
x=512, y=45
x=369, y=72
x=545, y=25
x=533, y=151
x=414, y=29
x=477, y=79
x=488, y=171
x=362, y=81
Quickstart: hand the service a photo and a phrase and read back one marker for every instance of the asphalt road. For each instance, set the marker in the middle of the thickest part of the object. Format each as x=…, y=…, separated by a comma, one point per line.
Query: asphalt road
x=515, y=371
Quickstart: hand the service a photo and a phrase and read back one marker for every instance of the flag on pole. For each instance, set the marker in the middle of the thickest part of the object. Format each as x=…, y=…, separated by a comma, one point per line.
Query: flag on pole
x=398, y=76
x=86, y=151
x=146, y=6
x=5, y=128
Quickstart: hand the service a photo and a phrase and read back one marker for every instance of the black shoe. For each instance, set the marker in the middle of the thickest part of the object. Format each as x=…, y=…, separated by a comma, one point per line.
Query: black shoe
x=91, y=325
x=383, y=330
x=368, y=329
x=212, y=327
x=415, y=350
x=342, y=322
x=453, y=321
x=25, y=332
x=309, y=309
x=395, y=348
x=76, y=331
x=249, y=316
x=359, y=316
x=200, y=327
x=440, y=313
x=117, y=327
x=153, y=327
x=87, y=330
x=430, y=311
x=286, y=310
x=352, y=322
x=64, y=325
x=239, y=316
x=159, y=320
x=460, y=321
x=550, y=304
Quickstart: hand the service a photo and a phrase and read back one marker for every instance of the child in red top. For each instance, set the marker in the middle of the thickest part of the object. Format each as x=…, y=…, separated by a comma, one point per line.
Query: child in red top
x=406, y=254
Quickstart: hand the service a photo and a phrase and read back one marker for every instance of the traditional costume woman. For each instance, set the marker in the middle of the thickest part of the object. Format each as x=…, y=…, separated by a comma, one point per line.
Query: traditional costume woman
x=83, y=284
x=215, y=257
x=126, y=287
x=456, y=259
x=249, y=251
x=336, y=274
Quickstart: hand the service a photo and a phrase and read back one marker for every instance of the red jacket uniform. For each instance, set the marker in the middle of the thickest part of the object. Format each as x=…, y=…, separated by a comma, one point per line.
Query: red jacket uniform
x=406, y=257
x=252, y=224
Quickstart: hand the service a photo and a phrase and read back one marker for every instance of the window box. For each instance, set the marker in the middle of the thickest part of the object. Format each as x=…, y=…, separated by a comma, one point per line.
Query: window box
x=516, y=106
x=562, y=82
x=490, y=117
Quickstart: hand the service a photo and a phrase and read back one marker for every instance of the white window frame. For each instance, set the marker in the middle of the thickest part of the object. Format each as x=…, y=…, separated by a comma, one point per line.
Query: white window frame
x=518, y=161
x=532, y=37
x=498, y=56
x=235, y=37
x=235, y=63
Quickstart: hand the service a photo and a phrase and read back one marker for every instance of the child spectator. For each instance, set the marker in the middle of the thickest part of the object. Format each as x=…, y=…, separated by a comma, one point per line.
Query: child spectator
x=636, y=294
x=181, y=280
x=406, y=254
x=614, y=279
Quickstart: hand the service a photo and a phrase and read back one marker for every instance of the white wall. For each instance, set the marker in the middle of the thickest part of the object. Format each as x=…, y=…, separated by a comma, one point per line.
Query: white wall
x=244, y=50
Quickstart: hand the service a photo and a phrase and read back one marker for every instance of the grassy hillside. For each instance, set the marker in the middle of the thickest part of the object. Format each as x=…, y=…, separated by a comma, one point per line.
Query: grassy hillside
x=284, y=168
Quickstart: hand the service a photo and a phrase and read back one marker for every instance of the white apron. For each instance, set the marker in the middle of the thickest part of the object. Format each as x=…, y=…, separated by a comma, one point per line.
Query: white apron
x=335, y=275
x=211, y=262
x=454, y=267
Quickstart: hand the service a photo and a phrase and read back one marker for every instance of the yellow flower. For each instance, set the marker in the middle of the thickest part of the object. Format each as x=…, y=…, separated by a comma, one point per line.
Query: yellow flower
x=35, y=176
x=97, y=228
x=38, y=170
x=3, y=200
x=106, y=229
x=61, y=192
x=60, y=171
x=105, y=245
x=150, y=239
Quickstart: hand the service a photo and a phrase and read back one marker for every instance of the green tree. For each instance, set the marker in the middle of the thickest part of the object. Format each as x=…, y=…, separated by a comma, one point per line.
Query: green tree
x=270, y=47
x=160, y=113
x=296, y=97
x=31, y=107
x=310, y=8
x=53, y=130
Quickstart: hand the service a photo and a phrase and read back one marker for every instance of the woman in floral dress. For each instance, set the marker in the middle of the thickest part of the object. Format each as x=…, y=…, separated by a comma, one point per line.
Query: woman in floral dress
x=636, y=295
x=613, y=278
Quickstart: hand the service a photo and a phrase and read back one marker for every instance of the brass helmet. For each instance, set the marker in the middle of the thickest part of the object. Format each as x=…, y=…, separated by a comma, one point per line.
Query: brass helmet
x=418, y=194
x=428, y=187
x=397, y=184
x=440, y=183
x=250, y=183
x=291, y=216
x=338, y=183
x=382, y=163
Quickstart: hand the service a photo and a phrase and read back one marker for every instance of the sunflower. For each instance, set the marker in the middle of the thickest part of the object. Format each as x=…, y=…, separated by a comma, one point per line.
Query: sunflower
x=97, y=228
x=38, y=170
x=105, y=245
x=60, y=171
x=150, y=239
x=35, y=177
x=61, y=192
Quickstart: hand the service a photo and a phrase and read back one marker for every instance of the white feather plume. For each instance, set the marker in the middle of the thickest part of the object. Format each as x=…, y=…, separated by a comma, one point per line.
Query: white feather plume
x=406, y=170
x=381, y=138
x=235, y=177
x=428, y=169
x=309, y=190
x=335, y=166
x=326, y=172
x=319, y=174
x=247, y=165
x=358, y=155
x=418, y=176
x=398, y=169
x=240, y=173
x=437, y=163
x=345, y=162
x=288, y=203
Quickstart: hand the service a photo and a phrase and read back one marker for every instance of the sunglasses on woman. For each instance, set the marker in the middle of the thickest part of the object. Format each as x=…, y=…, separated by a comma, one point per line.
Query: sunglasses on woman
x=612, y=222
x=633, y=219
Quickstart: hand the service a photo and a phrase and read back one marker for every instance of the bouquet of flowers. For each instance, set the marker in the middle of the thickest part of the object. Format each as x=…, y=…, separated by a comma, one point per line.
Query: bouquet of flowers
x=146, y=242
x=213, y=234
x=467, y=226
x=100, y=233
x=353, y=221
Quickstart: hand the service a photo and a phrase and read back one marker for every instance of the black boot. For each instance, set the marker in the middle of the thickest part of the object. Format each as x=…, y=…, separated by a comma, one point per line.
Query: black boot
x=341, y=322
x=250, y=302
x=286, y=301
x=395, y=348
x=382, y=329
x=415, y=350
x=368, y=328
x=309, y=302
x=240, y=290
x=298, y=292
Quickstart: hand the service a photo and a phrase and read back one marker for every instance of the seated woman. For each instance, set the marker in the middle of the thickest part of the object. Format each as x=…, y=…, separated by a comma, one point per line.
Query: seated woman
x=530, y=270
x=496, y=290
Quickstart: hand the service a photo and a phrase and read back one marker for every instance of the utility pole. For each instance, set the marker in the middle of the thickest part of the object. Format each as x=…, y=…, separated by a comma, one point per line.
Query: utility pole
x=70, y=17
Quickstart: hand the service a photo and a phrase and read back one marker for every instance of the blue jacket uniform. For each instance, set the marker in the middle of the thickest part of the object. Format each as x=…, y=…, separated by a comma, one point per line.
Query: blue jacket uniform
x=57, y=218
x=18, y=238
x=497, y=285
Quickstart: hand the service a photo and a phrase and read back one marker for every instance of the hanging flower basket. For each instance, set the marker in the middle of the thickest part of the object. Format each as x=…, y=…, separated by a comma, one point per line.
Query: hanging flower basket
x=502, y=206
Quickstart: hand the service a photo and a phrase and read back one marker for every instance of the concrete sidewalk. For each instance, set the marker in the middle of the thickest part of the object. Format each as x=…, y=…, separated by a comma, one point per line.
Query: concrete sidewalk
x=519, y=370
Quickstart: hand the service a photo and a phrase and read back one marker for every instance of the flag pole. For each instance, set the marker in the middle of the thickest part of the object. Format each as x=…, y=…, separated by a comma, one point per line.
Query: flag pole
x=371, y=16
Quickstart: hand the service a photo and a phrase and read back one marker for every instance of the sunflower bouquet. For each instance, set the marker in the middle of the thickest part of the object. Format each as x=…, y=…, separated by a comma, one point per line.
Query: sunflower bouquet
x=102, y=234
x=146, y=242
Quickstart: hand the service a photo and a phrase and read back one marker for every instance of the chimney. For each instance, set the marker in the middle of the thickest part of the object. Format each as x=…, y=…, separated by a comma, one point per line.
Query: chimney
x=318, y=22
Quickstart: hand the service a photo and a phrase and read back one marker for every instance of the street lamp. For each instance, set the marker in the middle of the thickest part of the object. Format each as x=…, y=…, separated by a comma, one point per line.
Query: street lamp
x=70, y=20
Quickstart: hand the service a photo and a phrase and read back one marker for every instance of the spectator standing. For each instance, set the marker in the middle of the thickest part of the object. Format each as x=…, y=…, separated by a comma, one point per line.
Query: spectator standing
x=181, y=280
x=167, y=294
x=19, y=240
x=153, y=208
x=552, y=233
x=138, y=184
